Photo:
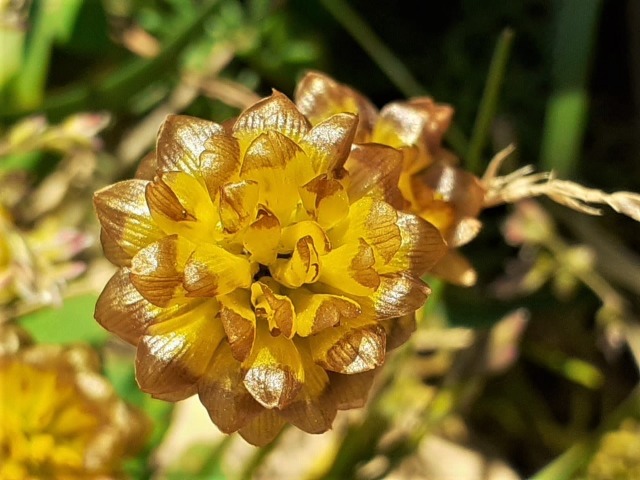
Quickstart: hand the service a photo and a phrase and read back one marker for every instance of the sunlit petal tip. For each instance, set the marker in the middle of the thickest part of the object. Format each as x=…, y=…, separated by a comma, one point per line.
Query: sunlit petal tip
x=350, y=350
x=329, y=142
x=274, y=113
x=351, y=391
x=181, y=141
x=455, y=268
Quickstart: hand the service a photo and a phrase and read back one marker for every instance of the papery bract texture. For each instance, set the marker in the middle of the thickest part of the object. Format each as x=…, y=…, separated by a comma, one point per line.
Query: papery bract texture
x=259, y=273
x=427, y=182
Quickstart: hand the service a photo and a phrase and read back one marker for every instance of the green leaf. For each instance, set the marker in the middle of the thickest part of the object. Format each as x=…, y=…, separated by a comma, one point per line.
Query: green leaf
x=70, y=323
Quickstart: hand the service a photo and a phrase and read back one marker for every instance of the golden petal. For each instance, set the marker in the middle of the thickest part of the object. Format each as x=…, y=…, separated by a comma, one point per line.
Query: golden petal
x=399, y=330
x=374, y=221
x=374, y=170
x=122, y=310
x=456, y=186
x=439, y=115
x=262, y=237
x=148, y=167
x=211, y=270
x=351, y=391
x=421, y=248
x=276, y=309
x=113, y=252
x=174, y=354
x=263, y=428
x=398, y=294
x=455, y=268
x=238, y=202
x=319, y=96
x=274, y=370
x=266, y=162
x=465, y=230
x=222, y=392
x=292, y=233
x=181, y=141
x=125, y=217
x=220, y=162
x=302, y=267
x=314, y=409
x=349, y=269
x=156, y=270
x=325, y=200
x=180, y=204
x=317, y=311
x=239, y=322
x=355, y=346
x=329, y=142
x=276, y=113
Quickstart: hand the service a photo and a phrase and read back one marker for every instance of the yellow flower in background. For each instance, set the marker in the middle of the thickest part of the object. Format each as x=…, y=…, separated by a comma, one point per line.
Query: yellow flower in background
x=429, y=184
x=59, y=419
x=259, y=272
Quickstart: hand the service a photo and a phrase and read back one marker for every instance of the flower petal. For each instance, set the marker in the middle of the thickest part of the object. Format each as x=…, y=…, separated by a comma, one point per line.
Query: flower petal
x=181, y=141
x=398, y=294
x=263, y=428
x=276, y=113
x=147, y=168
x=399, y=330
x=351, y=391
x=455, y=268
x=123, y=311
x=466, y=230
x=374, y=221
x=319, y=96
x=329, y=142
x=349, y=268
x=239, y=322
x=317, y=311
x=212, y=270
x=374, y=170
x=266, y=162
x=222, y=392
x=421, y=248
x=180, y=204
x=276, y=309
x=325, y=200
x=174, y=354
x=156, y=270
x=294, y=232
x=355, y=346
x=237, y=204
x=219, y=162
x=302, y=267
x=314, y=408
x=274, y=371
x=262, y=237
x=125, y=217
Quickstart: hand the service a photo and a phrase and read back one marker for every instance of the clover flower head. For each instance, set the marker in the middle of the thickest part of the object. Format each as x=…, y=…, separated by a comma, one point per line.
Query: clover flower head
x=428, y=181
x=259, y=270
x=58, y=417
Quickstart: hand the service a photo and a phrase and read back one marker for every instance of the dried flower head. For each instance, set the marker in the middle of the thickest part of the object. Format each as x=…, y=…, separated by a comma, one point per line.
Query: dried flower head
x=429, y=184
x=257, y=272
x=58, y=417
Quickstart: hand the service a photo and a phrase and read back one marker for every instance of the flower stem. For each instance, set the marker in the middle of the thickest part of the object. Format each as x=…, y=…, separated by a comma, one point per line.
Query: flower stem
x=489, y=101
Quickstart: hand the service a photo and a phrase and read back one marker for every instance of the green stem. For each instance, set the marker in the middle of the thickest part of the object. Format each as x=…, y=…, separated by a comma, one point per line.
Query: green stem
x=386, y=60
x=115, y=91
x=489, y=101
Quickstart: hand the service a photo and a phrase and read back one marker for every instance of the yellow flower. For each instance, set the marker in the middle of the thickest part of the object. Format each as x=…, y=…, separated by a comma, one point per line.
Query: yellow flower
x=257, y=272
x=59, y=418
x=428, y=180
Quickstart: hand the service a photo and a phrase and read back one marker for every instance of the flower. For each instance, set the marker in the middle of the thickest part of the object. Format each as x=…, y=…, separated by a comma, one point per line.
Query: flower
x=428, y=180
x=58, y=417
x=259, y=273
